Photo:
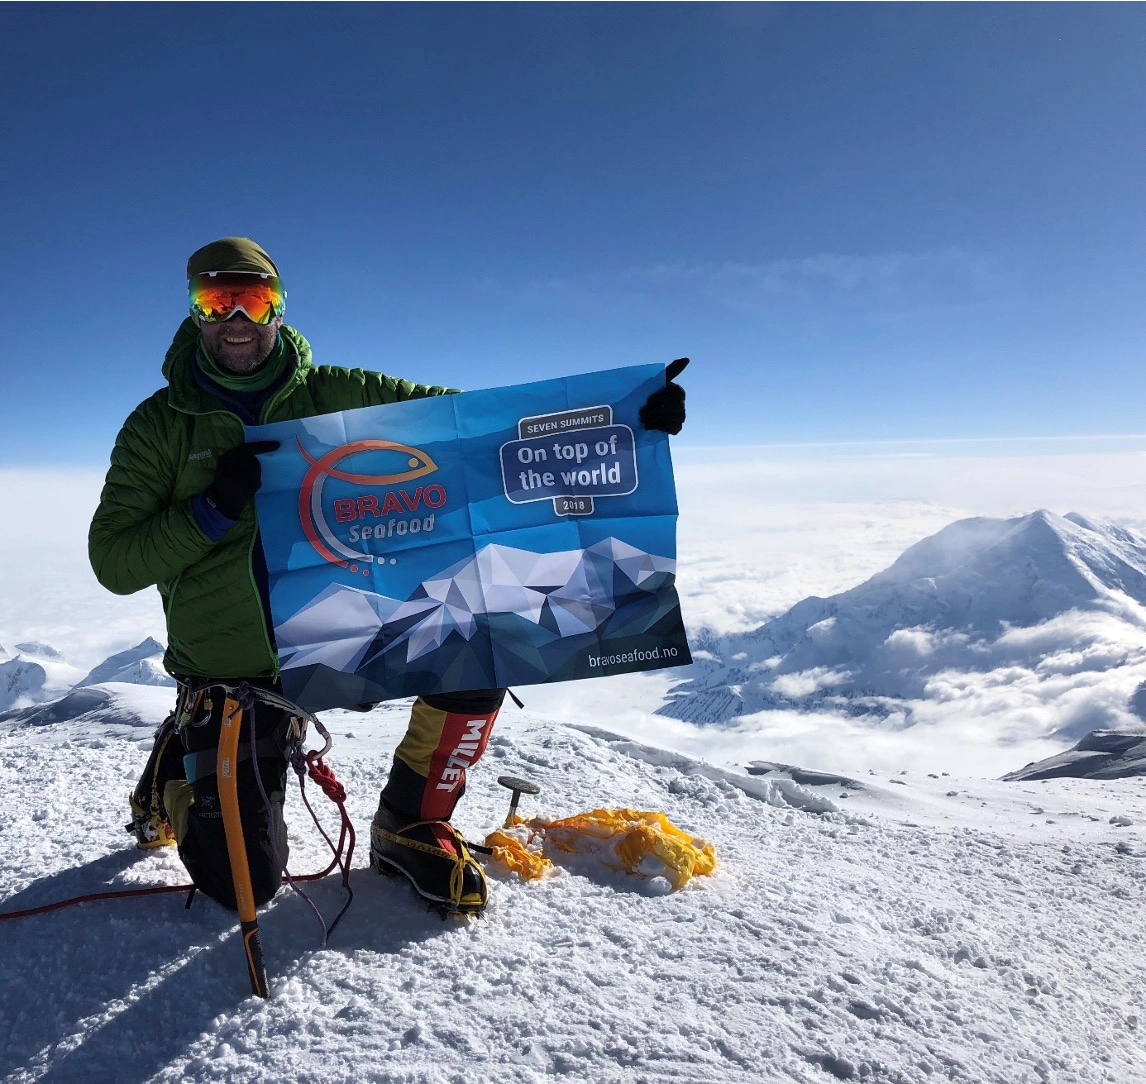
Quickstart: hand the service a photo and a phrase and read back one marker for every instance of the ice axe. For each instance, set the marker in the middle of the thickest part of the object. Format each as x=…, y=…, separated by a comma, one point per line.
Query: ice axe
x=227, y=768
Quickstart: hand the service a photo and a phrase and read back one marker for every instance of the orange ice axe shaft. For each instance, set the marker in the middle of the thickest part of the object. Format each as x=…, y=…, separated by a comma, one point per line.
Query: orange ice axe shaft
x=227, y=767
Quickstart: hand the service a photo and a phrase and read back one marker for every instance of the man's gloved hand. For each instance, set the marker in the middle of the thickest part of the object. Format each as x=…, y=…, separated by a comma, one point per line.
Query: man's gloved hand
x=238, y=475
x=664, y=409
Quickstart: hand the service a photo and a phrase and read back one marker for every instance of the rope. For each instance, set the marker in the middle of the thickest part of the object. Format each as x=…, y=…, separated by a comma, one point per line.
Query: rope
x=153, y=890
x=331, y=787
x=94, y=896
x=336, y=792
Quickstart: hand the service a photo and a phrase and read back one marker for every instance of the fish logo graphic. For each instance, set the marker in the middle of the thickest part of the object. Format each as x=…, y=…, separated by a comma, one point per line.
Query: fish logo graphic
x=417, y=464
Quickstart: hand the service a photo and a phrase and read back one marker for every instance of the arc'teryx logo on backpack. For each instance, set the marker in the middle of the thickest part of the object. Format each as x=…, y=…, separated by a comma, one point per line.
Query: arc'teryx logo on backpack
x=464, y=754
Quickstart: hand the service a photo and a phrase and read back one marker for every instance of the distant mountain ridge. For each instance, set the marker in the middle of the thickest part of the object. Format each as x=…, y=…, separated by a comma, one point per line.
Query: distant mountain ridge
x=948, y=602
x=1102, y=754
x=36, y=649
x=139, y=665
x=987, y=597
x=39, y=674
x=34, y=678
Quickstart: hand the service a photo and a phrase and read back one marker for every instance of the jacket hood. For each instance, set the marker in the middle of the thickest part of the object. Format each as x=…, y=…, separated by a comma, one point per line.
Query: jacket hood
x=177, y=365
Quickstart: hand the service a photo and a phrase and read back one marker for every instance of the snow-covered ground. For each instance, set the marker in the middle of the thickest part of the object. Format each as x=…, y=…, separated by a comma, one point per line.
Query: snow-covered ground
x=915, y=929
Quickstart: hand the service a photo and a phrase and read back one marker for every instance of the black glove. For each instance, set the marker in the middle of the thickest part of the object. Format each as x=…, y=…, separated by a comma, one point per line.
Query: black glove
x=238, y=475
x=664, y=409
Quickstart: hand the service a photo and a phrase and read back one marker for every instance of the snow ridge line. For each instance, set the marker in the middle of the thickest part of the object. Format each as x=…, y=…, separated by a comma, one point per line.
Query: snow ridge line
x=778, y=792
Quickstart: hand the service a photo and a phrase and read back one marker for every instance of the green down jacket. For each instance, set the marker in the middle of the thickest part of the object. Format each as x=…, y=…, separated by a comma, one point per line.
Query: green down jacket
x=144, y=531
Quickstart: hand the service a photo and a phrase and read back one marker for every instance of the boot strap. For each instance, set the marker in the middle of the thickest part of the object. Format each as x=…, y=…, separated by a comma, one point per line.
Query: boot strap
x=459, y=860
x=428, y=848
x=468, y=844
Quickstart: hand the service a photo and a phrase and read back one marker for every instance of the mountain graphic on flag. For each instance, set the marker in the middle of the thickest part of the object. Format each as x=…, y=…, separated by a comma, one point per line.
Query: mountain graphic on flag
x=563, y=594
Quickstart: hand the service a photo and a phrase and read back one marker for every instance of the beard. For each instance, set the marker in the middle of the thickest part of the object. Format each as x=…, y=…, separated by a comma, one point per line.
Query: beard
x=241, y=358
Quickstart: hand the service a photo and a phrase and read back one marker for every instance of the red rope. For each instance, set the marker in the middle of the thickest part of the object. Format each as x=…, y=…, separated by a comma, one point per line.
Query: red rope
x=95, y=896
x=155, y=890
x=317, y=770
x=325, y=778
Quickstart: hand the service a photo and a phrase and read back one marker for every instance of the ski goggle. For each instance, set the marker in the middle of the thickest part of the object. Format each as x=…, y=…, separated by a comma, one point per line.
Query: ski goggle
x=216, y=296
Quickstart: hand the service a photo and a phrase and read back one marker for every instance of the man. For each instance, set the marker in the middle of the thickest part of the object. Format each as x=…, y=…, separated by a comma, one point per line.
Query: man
x=177, y=512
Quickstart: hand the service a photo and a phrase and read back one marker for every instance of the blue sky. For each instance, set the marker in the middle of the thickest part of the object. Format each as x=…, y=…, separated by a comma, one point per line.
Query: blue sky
x=863, y=222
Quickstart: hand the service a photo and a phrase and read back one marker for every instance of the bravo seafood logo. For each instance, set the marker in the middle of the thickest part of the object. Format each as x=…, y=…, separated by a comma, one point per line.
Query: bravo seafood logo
x=381, y=514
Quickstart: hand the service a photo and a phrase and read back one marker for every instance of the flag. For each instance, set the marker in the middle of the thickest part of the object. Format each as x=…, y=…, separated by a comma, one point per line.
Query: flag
x=509, y=536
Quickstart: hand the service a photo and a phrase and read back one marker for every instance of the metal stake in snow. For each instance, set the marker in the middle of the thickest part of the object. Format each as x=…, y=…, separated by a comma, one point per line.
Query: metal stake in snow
x=519, y=787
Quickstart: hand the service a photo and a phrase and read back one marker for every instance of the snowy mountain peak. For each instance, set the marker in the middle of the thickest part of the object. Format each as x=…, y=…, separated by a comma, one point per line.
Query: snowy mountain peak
x=984, y=575
x=1066, y=554
x=139, y=665
x=1102, y=754
x=948, y=603
x=31, y=680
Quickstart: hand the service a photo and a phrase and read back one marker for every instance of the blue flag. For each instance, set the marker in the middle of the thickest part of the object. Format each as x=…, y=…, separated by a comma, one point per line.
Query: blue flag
x=503, y=537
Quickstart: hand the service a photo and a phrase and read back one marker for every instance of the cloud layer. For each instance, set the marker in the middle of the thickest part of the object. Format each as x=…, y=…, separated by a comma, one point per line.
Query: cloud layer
x=875, y=281
x=757, y=533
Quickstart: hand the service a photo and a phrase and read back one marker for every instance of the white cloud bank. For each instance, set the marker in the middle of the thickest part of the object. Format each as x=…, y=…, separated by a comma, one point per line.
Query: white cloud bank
x=758, y=532
x=47, y=589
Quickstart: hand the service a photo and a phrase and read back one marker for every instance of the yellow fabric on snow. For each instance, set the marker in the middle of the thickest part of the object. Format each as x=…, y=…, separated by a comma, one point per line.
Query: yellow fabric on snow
x=512, y=853
x=634, y=841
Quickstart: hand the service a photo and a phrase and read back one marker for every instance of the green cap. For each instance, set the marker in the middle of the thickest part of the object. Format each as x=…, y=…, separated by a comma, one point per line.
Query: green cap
x=231, y=254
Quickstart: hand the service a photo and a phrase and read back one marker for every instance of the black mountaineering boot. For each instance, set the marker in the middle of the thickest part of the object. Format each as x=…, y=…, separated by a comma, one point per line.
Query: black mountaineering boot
x=411, y=833
x=435, y=859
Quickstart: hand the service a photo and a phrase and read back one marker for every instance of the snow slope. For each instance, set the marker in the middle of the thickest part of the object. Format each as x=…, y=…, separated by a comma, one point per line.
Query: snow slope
x=1102, y=754
x=884, y=928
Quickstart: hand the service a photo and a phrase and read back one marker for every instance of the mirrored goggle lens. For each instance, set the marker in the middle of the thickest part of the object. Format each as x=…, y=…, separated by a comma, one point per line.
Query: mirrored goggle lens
x=217, y=297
